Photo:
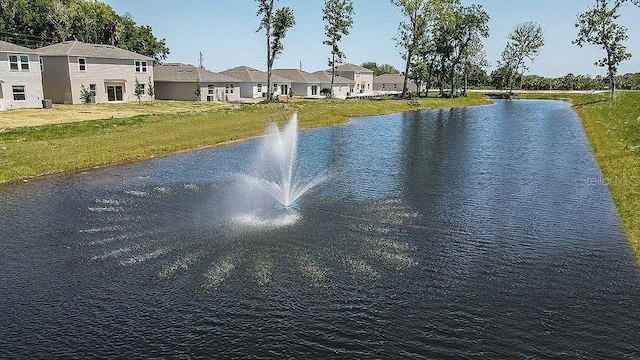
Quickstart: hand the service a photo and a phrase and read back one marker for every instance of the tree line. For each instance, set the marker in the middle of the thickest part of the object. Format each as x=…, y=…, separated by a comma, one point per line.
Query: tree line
x=37, y=23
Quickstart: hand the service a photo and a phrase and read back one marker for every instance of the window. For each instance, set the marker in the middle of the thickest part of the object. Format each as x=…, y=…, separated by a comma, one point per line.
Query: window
x=259, y=88
x=82, y=64
x=19, y=62
x=92, y=89
x=141, y=66
x=314, y=90
x=115, y=92
x=18, y=93
x=140, y=87
x=24, y=62
x=226, y=88
x=275, y=87
x=41, y=65
x=231, y=88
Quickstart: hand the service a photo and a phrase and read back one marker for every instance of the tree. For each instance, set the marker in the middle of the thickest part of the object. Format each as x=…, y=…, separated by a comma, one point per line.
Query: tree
x=152, y=89
x=597, y=26
x=37, y=23
x=338, y=15
x=275, y=27
x=138, y=91
x=412, y=30
x=198, y=92
x=380, y=69
x=524, y=43
x=419, y=74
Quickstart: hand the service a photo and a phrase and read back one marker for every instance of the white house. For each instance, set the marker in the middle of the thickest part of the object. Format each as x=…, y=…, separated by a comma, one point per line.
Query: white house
x=362, y=77
x=110, y=73
x=20, y=77
x=179, y=81
x=342, y=87
x=253, y=82
x=302, y=83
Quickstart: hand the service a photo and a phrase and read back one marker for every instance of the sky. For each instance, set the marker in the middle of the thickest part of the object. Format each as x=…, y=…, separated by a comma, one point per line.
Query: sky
x=225, y=32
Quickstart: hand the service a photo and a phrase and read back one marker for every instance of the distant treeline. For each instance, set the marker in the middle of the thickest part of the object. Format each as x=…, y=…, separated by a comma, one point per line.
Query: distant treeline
x=37, y=23
x=497, y=80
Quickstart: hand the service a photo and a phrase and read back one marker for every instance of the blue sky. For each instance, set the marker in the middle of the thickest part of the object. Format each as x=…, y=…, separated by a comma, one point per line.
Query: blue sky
x=225, y=32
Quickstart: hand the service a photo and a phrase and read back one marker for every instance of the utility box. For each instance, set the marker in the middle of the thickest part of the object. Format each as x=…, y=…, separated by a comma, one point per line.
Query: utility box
x=47, y=104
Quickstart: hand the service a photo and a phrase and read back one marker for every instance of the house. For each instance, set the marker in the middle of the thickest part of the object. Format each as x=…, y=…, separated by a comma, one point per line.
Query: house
x=253, y=83
x=20, y=77
x=342, y=87
x=177, y=81
x=392, y=84
x=302, y=83
x=362, y=76
x=108, y=72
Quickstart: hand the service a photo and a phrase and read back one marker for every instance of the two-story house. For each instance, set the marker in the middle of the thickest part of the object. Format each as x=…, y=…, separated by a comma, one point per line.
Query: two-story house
x=108, y=72
x=362, y=77
x=20, y=77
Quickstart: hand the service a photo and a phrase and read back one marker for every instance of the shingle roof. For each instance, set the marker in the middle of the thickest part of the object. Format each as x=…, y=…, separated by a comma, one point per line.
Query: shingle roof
x=325, y=78
x=247, y=74
x=297, y=76
x=389, y=79
x=176, y=72
x=77, y=48
x=352, y=67
x=12, y=48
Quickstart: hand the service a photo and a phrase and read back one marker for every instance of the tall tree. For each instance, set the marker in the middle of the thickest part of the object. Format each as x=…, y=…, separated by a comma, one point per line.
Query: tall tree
x=412, y=30
x=275, y=27
x=524, y=43
x=338, y=15
x=597, y=26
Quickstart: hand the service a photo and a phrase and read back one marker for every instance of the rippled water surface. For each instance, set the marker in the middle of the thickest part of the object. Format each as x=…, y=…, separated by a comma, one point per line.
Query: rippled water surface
x=473, y=232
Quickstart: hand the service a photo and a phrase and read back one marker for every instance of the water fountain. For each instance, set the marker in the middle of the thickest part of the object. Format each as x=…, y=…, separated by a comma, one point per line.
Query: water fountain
x=274, y=172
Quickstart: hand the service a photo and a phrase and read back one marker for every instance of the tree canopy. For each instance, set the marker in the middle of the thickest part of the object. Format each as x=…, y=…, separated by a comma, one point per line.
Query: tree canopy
x=597, y=26
x=37, y=23
x=338, y=15
x=524, y=43
x=275, y=27
x=380, y=69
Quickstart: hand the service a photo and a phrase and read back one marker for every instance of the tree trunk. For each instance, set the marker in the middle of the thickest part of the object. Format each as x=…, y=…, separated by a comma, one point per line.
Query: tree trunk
x=406, y=73
x=333, y=73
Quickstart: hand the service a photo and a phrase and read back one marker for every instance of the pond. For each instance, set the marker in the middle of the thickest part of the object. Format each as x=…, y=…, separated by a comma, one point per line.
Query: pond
x=471, y=232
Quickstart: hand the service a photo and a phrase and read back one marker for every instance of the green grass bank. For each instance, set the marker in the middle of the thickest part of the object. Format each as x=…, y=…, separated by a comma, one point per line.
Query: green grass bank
x=27, y=152
x=613, y=130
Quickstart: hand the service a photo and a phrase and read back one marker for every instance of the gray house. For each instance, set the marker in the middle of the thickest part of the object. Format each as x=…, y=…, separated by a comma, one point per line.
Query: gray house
x=109, y=72
x=253, y=82
x=20, y=77
x=392, y=84
x=179, y=82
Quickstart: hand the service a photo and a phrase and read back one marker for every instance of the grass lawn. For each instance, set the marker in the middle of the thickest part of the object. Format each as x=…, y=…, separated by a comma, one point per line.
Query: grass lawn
x=613, y=129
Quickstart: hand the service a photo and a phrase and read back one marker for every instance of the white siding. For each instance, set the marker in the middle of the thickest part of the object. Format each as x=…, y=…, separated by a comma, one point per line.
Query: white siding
x=31, y=80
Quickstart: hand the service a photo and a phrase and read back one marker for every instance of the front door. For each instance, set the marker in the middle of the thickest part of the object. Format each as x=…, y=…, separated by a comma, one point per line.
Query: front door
x=115, y=92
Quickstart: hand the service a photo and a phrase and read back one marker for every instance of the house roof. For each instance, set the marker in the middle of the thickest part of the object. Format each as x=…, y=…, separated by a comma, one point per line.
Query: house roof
x=177, y=72
x=297, y=76
x=389, y=79
x=248, y=74
x=325, y=78
x=352, y=67
x=13, y=48
x=77, y=48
